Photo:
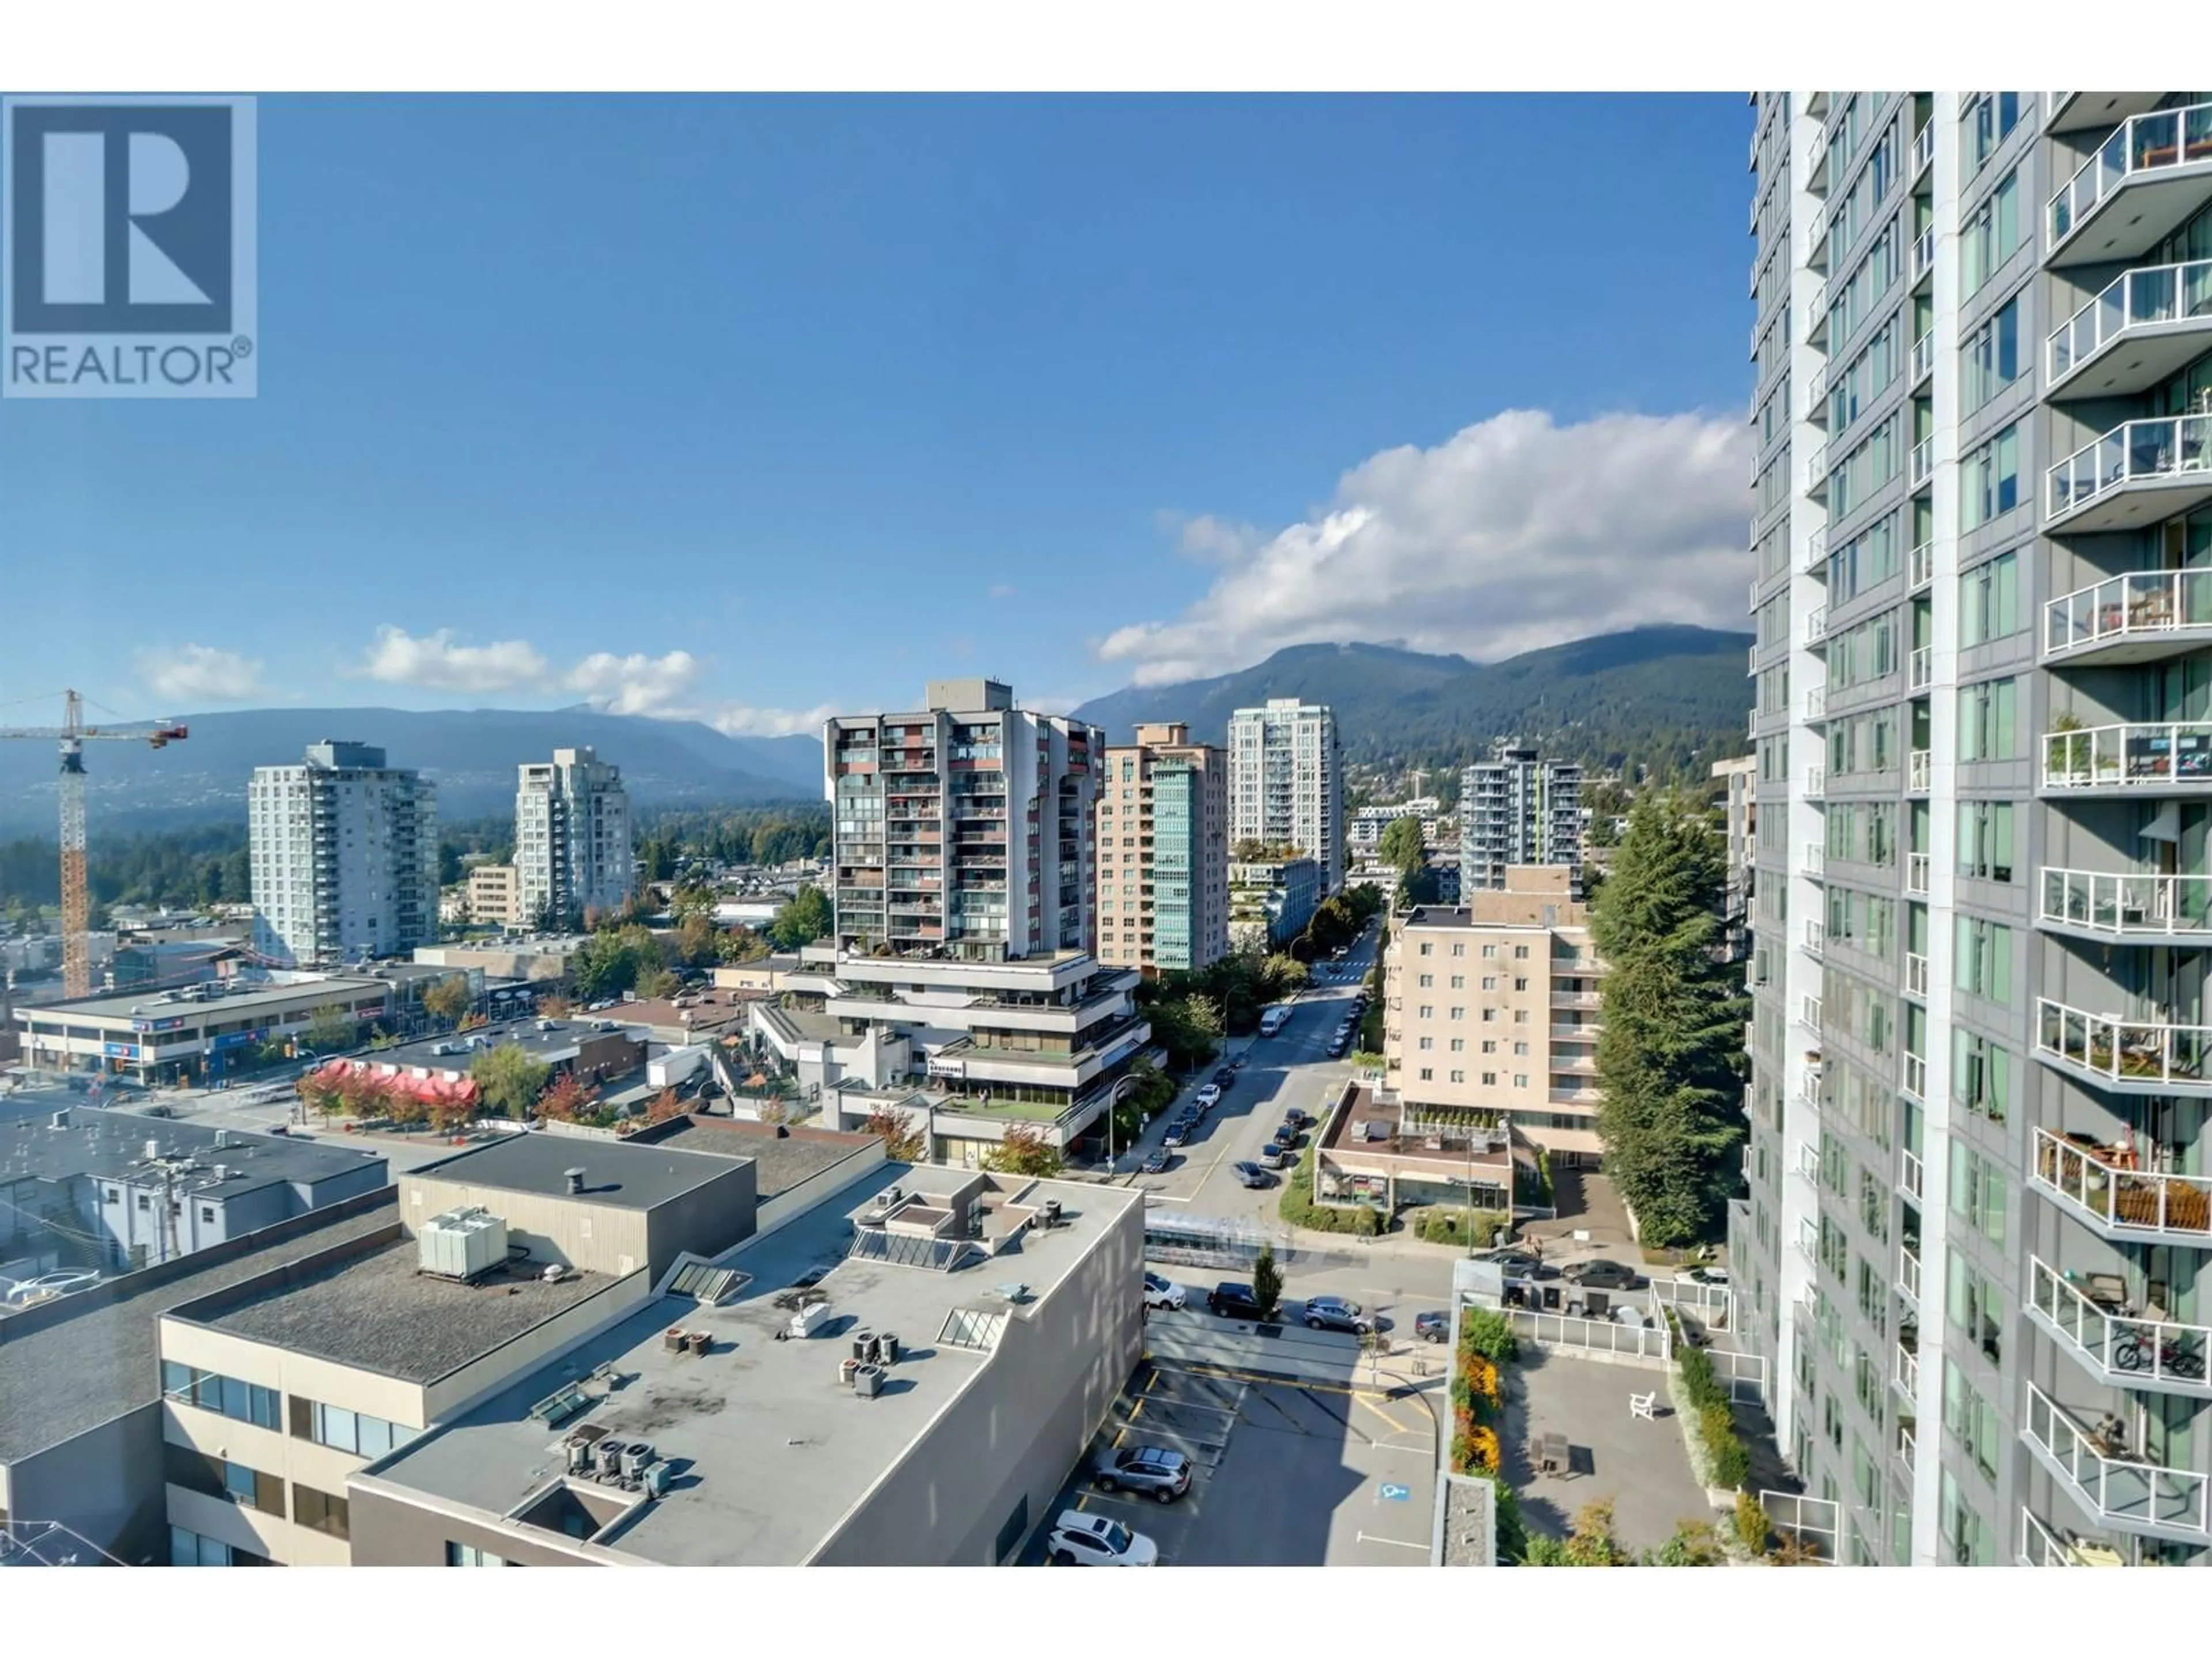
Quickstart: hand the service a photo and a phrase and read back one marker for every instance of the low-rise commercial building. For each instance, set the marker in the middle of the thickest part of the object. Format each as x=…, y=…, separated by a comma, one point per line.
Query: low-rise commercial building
x=191, y=1035
x=1494, y=1006
x=903, y=1376
x=767, y=973
x=541, y=959
x=1376, y=1147
x=440, y=1069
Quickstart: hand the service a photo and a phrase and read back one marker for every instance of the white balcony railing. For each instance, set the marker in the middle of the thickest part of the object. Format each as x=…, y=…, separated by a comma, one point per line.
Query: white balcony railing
x=1919, y=769
x=1816, y=548
x=1816, y=624
x=1924, y=460
x=1816, y=783
x=1923, y=148
x=2112, y=1340
x=1923, y=358
x=1809, y=1013
x=2166, y=754
x=1908, y=1273
x=2136, y=299
x=1910, y=1175
x=1816, y=703
x=1913, y=1076
x=2117, y=1199
x=1904, y=1372
x=1920, y=568
x=1915, y=874
x=1815, y=937
x=2147, y=906
x=2141, y=605
x=2147, y=144
x=1808, y=1241
x=1924, y=254
x=2039, y=1546
x=1814, y=859
x=1816, y=469
x=2131, y=452
x=1920, y=667
x=2111, y=1478
x=1915, y=975
x=1752, y=660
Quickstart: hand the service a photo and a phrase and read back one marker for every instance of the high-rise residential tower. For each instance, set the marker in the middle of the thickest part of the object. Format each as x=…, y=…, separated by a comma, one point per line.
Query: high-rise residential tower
x=964, y=828
x=1979, y=1219
x=1163, y=852
x=1518, y=809
x=572, y=838
x=344, y=855
x=1286, y=782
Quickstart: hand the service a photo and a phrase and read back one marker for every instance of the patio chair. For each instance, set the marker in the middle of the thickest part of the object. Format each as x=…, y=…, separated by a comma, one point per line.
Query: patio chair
x=1642, y=1404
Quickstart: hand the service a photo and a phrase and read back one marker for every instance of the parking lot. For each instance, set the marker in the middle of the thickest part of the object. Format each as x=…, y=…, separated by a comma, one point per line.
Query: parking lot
x=1284, y=1473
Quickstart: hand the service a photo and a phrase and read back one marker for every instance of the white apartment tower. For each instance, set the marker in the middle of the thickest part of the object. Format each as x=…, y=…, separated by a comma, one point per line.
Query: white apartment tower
x=572, y=838
x=1975, y=1240
x=1286, y=782
x=344, y=853
x=1517, y=810
x=965, y=828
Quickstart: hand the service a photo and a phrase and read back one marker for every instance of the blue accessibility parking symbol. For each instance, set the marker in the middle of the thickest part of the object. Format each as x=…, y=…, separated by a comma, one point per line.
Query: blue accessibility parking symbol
x=1395, y=1494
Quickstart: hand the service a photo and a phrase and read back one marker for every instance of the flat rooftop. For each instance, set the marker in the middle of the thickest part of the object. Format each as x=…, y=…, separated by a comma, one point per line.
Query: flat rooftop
x=95, y=1355
x=112, y=1145
x=781, y=1162
x=148, y=1004
x=771, y=1449
x=376, y=1312
x=620, y=1174
x=461, y=1050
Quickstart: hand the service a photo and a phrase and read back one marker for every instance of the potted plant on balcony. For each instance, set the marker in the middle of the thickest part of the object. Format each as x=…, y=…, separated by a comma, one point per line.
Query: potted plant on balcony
x=2067, y=748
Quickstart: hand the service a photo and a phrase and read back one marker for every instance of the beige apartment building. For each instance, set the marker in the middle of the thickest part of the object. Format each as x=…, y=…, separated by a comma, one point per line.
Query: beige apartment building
x=1163, y=852
x=1494, y=1005
x=496, y=896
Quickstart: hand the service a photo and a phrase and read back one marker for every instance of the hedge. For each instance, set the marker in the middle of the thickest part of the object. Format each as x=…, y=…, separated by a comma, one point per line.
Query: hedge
x=1716, y=1417
x=1442, y=1226
x=1298, y=1206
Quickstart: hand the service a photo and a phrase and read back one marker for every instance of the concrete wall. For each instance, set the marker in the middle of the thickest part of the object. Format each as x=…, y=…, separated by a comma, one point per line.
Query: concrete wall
x=708, y=1219
x=597, y=1237
x=105, y=1484
x=1021, y=1426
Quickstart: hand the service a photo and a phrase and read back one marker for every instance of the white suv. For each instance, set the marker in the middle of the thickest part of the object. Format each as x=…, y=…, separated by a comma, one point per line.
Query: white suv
x=1098, y=1540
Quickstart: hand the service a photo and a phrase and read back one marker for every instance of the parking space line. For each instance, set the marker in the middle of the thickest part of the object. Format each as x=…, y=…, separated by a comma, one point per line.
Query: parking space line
x=1387, y=1417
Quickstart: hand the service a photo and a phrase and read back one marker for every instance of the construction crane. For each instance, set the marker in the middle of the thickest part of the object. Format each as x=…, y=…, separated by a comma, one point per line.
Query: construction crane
x=72, y=734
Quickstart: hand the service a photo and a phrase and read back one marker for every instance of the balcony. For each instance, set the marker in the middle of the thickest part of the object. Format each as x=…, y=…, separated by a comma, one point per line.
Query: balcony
x=1908, y=1274
x=1816, y=704
x=2141, y=616
x=1924, y=256
x=2172, y=756
x=1816, y=548
x=2093, y=1323
x=2039, y=1546
x=2145, y=324
x=1904, y=1364
x=2110, y=1478
x=1809, y=1014
x=2142, y=182
x=1816, y=624
x=1910, y=1176
x=1808, y=1241
x=1915, y=874
x=1912, y=1076
x=1923, y=461
x=2090, y=905
x=1814, y=859
x=1816, y=472
x=1919, y=769
x=1915, y=975
x=2138, y=473
x=1924, y=360
x=1920, y=569
x=1923, y=149
x=1815, y=937
x=2075, y=112
x=1920, y=668
x=1816, y=783
x=2101, y=1186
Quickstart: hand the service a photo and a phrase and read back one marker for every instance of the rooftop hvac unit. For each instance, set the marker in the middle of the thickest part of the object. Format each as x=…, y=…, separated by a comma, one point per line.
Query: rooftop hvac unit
x=636, y=1456
x=868, y=1380
x=579, y=1456
x=462, y=1244
x=606, y=1455
x=810, y=1319
x=656, y=1480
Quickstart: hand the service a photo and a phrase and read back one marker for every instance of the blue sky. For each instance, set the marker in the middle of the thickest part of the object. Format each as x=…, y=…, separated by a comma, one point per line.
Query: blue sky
x=739, y=408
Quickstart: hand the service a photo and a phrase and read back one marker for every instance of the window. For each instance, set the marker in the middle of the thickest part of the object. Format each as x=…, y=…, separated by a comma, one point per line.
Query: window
x=468, y=1555
x=1459, y=1077
x=1520, y=953
x=216, y=1477
x=1981, y=1075
x=1975, y=1307
x=1428, y=1074
x=1427, y=980
x=319, y=1512
x=1992, y=356
x=1489, y=1045
x=1992, y=116
x=1520, y=1079
x=1970, y=1421
x=1459, y=1012
x=1988, y=598
x=1489, y=952
x=1985, y=840
x=1990, y=484
x=1458, y=950
x=1521, y=1050
x=1459, y=1045
x=1427, y=1012
x=1490, y=1017
x=1983, y=968
x=1987, y=728
x=1978, y=1193
x=1427, y=1044
x=1425, y=947
x=1490, y=1079
x=247, y=1403
x=1459, y=981
x=1520, y=984
x=1490, y=981
x=344, y=1431
x=1967, y=1541
x=1989, y=236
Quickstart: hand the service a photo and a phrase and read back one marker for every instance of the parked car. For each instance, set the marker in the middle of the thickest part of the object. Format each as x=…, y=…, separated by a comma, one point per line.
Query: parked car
x=1706, y=1275
x=1162, y=1293
x=1287, y=1132
x=1252, y=1175
x=1432, y=1326
x=1604, y=1275
x=1335, y=1050
x=1333, y=1313
x=1098, y=1540
x=1231, y=1300
x=1519, y=1264
x=1298, y=1116
x=1178, y=1132
x=1157, y=1161
x=1275, y=1155
x=1153, y=1470
x=1225, y=1076
x=1209, y=1097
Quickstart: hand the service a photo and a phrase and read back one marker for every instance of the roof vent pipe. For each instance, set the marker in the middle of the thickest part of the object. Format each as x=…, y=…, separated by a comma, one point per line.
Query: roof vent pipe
x=575, y=1180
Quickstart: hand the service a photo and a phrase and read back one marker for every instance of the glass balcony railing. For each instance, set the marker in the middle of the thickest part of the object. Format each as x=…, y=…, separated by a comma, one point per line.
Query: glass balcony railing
x=1910, y=1176
x=2149, y=143
x=1920, y=771
x=2147, y=906
x=2111, y=1340
x=2134, y=300
x=2149, y=1053
x=1916, y=873
x=2041, y=1546
x=2135, y=451
x=2111, y=1478
x=1908, y=1273
x=2166, y=754
x=2138, y=607
x=2104, y=1185
x=1816, y=783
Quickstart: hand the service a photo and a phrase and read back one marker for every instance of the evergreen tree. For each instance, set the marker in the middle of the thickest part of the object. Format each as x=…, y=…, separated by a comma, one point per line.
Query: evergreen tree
x=1670, y=1055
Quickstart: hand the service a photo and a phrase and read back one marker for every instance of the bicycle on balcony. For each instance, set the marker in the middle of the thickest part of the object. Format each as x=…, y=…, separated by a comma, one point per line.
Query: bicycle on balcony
x=2132, y=1352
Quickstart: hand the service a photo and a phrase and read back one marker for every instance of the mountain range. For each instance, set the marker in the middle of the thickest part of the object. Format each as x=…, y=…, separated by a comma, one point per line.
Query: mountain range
x=1670, y=696
x=471, y=754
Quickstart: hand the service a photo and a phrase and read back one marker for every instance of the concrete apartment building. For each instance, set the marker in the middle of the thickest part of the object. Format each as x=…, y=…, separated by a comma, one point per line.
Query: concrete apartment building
x=188, y=1034
x=495, y=895
x=964, y=828
x=1494, y=1007
x=1163, y=852
x=572, y=839
x=1741, y=810
x=115, y=1191
x=344, y=856
x=1272, y=900
x=1286, y=782
x=1980, y=1179
x=1517, y=808
x=900, y=1376
x=277, y=1389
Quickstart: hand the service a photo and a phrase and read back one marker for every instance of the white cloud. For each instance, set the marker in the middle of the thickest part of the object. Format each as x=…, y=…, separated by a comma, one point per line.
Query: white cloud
x=1512, y=534
x=199, y=673
x=635, y=684
x=1209, y=540
x=1003, y=590
x=398, y=658
x=734, y=721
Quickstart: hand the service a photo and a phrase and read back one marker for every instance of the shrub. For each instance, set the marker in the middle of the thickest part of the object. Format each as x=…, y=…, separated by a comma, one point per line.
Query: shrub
x=1486, y=1330
x=1266, y=1282
x=1731, y=1460
x=1298, y=1208
x=1457, y=1226
x=1752, y=1527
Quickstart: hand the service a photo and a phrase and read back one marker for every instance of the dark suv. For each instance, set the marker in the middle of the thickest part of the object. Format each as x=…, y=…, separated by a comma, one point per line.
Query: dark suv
x=1233, y=1301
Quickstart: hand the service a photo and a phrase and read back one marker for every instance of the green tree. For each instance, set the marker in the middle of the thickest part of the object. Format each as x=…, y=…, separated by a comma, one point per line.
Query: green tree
x=331, y=1031
x=509, y=1080
x=806, y=918
x=1670, y=1049
x=448, y=999
x=1266, y=1283
x=657, y=982
x=1401, y=847
x=905, y=1141
x=608, y=963
x=1024, y=1151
